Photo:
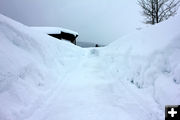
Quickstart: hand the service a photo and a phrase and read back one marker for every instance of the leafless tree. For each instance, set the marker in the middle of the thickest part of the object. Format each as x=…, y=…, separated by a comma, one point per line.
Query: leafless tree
x=156, y=11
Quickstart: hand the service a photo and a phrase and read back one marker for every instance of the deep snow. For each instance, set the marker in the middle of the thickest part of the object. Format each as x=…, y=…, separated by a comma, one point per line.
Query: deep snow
x=42, y=78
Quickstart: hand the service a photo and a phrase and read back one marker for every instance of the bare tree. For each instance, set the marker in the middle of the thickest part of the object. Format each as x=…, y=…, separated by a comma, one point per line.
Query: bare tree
x=156, y=11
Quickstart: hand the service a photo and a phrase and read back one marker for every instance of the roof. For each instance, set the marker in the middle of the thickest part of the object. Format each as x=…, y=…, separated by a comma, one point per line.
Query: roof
x=54, y=30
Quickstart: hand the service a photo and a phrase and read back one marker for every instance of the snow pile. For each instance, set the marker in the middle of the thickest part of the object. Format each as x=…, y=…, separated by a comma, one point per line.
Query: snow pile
x=42, y=78
x=150, y=58
x=32, y=65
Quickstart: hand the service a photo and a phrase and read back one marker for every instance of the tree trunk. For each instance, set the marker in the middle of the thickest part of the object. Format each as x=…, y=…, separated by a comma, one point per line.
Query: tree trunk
x=157, y=11
x=152, y=12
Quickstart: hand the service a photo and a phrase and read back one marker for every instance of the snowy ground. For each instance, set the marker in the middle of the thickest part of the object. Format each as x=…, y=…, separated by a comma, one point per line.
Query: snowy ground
x=42, y=78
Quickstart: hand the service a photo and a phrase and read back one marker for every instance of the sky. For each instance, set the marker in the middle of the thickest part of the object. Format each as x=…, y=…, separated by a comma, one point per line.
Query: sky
x=97, y=21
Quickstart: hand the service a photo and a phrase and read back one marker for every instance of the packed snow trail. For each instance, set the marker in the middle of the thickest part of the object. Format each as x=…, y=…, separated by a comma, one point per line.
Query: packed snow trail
x=42, y=78
x=88, y=93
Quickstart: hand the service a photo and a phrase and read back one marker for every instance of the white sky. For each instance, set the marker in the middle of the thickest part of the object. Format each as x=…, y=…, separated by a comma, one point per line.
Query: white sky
x=95, y=20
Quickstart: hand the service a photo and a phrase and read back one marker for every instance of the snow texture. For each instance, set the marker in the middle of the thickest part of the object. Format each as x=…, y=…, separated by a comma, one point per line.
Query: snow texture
x=42, y=78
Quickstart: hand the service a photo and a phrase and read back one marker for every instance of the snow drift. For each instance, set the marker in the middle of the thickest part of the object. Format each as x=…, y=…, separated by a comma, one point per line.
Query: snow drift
x=31, y=66
x=150, y=58
x=42, y=78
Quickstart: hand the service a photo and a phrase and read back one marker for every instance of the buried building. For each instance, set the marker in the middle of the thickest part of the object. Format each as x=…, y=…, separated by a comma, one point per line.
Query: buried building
x=59, y=33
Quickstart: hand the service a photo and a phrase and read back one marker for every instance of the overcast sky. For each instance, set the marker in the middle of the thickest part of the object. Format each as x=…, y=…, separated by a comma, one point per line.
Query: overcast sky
x=95, y=20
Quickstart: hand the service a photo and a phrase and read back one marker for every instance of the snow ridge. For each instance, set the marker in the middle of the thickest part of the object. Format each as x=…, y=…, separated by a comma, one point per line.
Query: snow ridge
x=42, y=78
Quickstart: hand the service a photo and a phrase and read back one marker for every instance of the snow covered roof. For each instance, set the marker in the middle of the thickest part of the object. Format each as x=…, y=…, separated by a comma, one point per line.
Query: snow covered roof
x=54, y=30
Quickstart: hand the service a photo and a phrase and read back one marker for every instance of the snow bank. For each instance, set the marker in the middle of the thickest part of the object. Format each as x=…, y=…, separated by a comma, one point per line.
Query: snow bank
x=31, y=67
x=150, y=57
x=42, y=78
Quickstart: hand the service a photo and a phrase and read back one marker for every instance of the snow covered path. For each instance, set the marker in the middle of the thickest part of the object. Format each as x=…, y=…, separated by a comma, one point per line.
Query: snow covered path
x=42, y=78
x=88, y=93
